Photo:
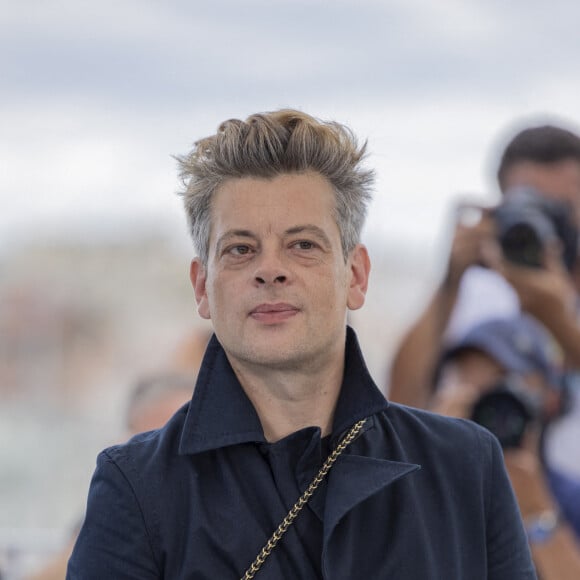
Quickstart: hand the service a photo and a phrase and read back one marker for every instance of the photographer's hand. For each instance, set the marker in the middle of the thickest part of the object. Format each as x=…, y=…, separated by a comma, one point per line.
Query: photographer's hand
x=549, y=295
x=545, y=292
x=557, y=556
x=454, y=398
x=474, y=243
x=526, y=473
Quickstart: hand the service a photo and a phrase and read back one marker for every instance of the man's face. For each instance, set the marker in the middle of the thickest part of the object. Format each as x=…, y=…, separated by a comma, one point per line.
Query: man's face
x=560, y=180
x=277, y=286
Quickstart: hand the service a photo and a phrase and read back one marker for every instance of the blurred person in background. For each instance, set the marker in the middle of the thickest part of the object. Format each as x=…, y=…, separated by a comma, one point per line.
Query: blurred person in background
x=155, y=399
x=151, y=403
x=521, y=255
x=505, y=375
x=284, y=411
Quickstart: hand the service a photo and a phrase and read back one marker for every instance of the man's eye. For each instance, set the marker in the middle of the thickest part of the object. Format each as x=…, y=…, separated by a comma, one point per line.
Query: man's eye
x=304, y=245
x=240, y=250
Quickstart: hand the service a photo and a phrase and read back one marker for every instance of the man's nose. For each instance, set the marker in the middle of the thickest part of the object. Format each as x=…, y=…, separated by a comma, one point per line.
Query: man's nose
x=271, y=269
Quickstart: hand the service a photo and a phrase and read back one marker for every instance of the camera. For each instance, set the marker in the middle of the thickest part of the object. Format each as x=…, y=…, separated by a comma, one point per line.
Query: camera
x=507, y=410
x=526, y=221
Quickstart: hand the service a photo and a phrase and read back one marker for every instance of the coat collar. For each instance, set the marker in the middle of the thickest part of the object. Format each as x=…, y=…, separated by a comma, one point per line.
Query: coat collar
x=220, y=413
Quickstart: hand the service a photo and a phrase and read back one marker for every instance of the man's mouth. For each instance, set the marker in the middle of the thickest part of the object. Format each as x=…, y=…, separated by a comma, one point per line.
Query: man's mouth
x=273, y=313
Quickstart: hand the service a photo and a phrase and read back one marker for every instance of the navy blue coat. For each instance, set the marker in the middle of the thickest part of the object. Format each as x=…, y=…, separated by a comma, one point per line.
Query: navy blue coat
x=416, y=496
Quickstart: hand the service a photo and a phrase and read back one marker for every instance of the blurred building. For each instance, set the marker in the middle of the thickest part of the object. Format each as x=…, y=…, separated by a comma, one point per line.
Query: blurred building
x=72, y=314
x=79, y=324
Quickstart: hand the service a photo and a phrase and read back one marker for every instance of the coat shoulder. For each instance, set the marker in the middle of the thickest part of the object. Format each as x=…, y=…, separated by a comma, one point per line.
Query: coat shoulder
x=441, y=434
x=150, y=448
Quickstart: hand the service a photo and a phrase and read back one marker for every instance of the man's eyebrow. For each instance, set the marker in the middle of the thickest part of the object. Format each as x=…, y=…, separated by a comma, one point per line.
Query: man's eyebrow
x=234, y=234
x=309, y=229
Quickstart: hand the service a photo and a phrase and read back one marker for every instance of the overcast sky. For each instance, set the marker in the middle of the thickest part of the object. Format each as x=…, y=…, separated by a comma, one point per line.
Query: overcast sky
x=96, y=97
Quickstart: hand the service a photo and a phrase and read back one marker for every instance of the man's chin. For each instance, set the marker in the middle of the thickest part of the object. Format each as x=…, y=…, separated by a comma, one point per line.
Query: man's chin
x=277, y=359
x=273, y=355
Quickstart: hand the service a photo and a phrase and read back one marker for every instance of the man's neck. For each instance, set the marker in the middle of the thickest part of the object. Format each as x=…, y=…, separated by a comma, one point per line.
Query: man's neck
x=289, y=401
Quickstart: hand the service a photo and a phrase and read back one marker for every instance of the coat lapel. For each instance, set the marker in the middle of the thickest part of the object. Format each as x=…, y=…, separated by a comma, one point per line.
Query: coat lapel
x=353, y=479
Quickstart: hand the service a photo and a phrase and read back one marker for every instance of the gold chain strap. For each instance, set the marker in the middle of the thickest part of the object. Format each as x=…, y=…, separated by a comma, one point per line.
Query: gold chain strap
x=302, y=501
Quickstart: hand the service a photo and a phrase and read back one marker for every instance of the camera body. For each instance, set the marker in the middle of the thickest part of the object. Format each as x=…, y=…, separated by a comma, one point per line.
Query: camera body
x=527, y=221
x=507, y=410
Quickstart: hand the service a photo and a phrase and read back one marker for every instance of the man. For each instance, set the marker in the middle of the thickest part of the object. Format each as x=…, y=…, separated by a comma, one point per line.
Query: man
x=284, y=407
x=547, y=159
x=154, y=400
x=504, y=374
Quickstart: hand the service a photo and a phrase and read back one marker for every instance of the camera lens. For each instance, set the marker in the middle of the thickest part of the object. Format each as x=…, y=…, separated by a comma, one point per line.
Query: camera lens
x=504, y=414
x=522, y=244
x=526, y=221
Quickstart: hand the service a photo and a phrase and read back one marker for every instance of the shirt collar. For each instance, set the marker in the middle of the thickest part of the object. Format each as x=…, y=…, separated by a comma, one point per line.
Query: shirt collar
x=220, y=413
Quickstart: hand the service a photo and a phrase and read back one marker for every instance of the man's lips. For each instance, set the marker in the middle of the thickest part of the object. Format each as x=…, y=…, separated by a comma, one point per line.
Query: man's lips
x=280, y=307
x=273, y=312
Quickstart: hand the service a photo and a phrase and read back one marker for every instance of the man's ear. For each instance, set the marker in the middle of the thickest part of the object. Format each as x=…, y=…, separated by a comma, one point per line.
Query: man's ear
x=198, y=276
x=360, y=268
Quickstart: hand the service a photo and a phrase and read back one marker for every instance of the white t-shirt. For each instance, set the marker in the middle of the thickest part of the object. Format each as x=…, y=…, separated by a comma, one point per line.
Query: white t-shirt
x=483, y=294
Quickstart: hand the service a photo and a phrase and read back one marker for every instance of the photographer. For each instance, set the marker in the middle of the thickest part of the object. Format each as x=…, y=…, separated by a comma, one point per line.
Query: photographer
x=503, y=375
x=547, y=160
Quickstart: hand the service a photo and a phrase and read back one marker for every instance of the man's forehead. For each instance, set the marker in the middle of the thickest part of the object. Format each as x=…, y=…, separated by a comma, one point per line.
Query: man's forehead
x=561, y=178
x=283, y=204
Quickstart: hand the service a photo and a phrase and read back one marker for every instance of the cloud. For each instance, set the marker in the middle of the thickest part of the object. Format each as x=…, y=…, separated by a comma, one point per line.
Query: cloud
x=148, y=54
x=95, y=97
